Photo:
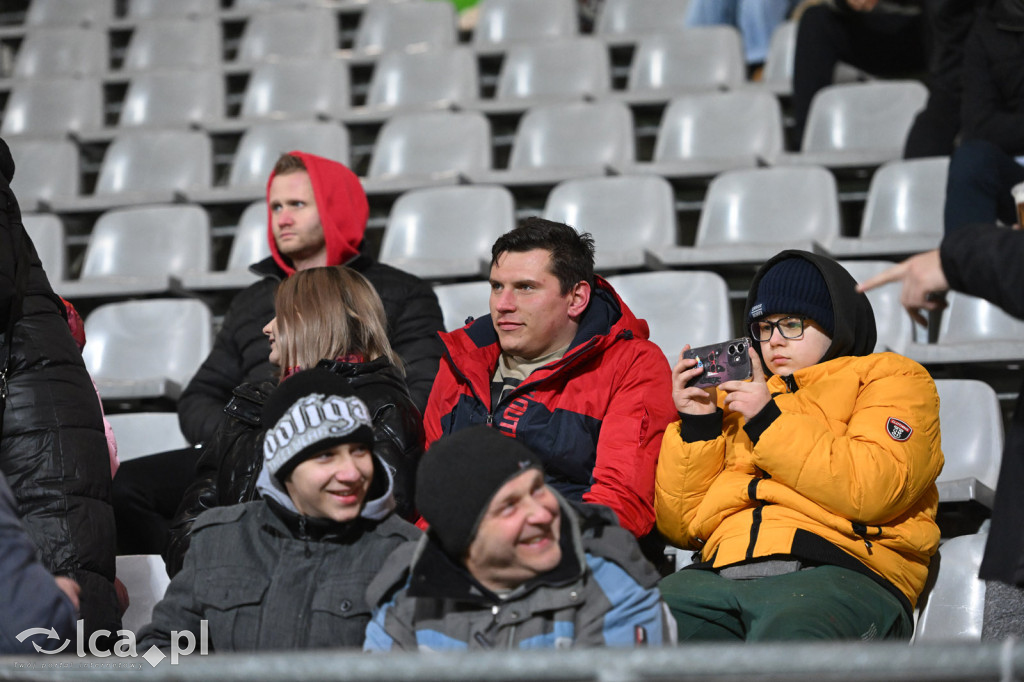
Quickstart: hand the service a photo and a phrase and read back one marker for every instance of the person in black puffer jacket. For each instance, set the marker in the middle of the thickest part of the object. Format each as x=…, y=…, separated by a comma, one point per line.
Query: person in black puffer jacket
x=327, y=201
x=332, y=313
x=53, y=451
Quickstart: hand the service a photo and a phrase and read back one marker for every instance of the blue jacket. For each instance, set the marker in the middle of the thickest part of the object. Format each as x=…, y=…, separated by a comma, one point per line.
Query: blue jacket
x=604, y=593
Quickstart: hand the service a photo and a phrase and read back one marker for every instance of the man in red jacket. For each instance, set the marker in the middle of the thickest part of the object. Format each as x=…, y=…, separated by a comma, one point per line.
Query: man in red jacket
x=562, y=364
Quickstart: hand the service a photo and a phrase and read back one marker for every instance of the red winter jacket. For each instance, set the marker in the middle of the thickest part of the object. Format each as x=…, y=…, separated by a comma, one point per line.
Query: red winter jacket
x=595, y=417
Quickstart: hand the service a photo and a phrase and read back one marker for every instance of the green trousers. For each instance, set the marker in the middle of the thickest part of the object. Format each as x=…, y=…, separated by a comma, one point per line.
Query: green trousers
x=825, y=602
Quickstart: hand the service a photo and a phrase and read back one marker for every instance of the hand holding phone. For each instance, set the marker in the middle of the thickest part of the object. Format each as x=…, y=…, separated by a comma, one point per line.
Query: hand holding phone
x=721, y=362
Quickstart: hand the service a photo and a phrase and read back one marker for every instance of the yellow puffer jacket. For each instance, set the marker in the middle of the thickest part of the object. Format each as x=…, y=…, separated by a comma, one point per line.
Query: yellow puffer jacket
x=838, y=462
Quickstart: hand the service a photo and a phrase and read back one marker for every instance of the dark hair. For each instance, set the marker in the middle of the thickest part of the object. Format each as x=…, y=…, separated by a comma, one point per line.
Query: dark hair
x=288, y=163
x=572, y=254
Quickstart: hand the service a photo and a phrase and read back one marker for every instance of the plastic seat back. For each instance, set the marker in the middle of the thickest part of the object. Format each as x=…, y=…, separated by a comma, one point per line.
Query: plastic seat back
x=46, y=169
x=47, y=234
x=907, y=198
x=157, y=9
x=250, y=244
x=447, y=225
x=778, y=63
x=895, y=328
x=953, y=607
x=442, y=76
x=145, y=578
x=462, y=301
x=968, y=319
x=638, y=211
x=500, y=22
x=972, y=438
x=136, y=342
x=144, y=433
x=632, y=17
x=61, y=52
x=709, y=57
x=863, y=116
x=739, y=124
x=578, y=66
x=672, y=300
x=395, y=26
x=53, y=107
x=574, y=134
x=432, y=142
x=174, y=98
x=156, y=160
x=69, y=12
x=174, y=44
x=148, y=240
x=768, y=205
x=295, y=32
x=311, y=86
x=263, y=143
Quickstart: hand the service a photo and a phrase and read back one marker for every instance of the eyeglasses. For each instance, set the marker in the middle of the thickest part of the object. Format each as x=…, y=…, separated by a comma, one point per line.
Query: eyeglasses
x=789, y=327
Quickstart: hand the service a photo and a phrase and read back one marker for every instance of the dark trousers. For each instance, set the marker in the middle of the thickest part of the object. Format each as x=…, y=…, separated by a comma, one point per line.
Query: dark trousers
x=825, y=602
x=978, y=187
x=880, y=43
x=146, y=495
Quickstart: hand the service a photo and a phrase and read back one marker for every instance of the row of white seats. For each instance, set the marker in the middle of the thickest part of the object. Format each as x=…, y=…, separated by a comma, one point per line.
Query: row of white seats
x=699, y=136
x=667, y=64
x=445, y=233
x=288, y=28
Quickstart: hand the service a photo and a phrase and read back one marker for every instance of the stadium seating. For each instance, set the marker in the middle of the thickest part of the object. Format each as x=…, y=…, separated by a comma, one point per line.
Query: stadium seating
x=502, y=22
x=750, y=215
x=146, y=349
x=446, y=232
x=626, y=215
x=134, y=251
x=680, y=307
x=903, y=214
x=704, y=134
x=695, y=59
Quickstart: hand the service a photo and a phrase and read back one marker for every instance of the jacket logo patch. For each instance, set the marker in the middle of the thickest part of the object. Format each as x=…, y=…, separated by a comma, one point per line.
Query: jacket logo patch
x=898, y=429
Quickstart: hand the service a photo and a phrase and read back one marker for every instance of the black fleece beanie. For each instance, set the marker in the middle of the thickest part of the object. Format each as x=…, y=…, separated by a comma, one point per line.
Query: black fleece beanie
x=457, y=478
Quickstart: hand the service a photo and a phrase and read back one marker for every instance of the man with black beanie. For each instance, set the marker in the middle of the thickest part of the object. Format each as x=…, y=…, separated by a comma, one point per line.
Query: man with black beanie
x=305, y=552
x=508, y=563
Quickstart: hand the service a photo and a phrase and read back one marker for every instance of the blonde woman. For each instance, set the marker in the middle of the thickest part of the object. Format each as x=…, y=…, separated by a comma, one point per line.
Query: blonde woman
x=328, y=317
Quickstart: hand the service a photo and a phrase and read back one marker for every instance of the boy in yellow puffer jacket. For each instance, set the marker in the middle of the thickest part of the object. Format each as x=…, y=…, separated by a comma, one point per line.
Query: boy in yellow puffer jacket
x=809, y=491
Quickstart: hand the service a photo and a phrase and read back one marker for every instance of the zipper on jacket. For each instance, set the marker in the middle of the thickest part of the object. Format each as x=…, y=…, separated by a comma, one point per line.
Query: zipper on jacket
x=790, y=383
x=305, y=537
x=755, y=525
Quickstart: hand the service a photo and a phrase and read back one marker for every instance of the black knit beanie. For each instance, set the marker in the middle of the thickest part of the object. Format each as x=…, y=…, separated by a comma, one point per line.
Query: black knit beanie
x=308, y=413
x=794, y=286
x=457, y=478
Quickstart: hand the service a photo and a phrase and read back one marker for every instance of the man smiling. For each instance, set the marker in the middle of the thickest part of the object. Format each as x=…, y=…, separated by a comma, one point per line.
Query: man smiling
x=290, y=570
x=508, y=563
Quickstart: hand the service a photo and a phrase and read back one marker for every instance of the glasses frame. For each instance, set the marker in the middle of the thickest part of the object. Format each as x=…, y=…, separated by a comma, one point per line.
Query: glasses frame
x=755, y=331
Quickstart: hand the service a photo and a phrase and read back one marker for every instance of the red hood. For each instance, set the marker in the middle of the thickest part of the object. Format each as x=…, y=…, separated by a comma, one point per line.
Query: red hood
x=342, y=205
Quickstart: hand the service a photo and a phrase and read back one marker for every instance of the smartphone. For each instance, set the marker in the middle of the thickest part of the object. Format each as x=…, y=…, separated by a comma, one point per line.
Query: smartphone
x=723, y=361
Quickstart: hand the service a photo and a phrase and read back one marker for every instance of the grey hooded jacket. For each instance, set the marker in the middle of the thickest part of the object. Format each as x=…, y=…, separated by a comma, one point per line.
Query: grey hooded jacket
x=265, y=577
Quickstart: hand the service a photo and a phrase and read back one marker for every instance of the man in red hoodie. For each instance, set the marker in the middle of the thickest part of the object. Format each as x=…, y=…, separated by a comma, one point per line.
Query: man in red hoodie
x=316, y=216
x=562, y=364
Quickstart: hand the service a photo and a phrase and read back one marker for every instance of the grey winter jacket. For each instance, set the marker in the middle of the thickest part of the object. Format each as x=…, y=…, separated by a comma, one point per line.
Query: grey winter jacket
x=264, y=577
x=604, y=593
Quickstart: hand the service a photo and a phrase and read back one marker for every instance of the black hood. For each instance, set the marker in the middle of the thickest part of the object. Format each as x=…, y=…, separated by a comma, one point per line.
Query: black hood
x=854, y=319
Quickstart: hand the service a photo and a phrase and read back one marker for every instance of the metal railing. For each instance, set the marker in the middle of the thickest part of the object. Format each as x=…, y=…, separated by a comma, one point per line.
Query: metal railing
x=824, y=662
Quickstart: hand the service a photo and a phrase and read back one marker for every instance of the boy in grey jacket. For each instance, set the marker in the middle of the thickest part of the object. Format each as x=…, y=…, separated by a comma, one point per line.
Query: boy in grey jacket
x=508, y=563
x=290, y=571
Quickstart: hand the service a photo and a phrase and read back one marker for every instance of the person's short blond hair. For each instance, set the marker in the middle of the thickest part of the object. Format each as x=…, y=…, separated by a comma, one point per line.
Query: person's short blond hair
x=327, y=313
